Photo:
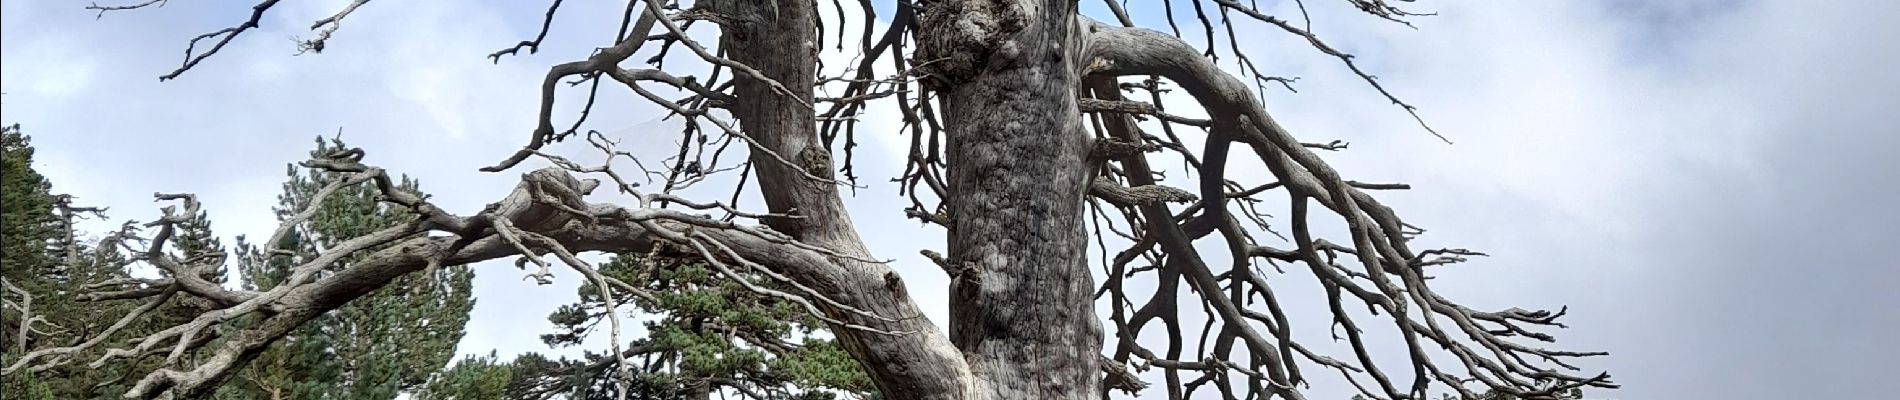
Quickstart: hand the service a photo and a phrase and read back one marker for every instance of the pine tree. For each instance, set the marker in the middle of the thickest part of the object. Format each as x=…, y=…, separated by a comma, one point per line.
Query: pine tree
x=472, y=378
x=45, y=256
x=26, y=220
x=297, y=367
x=26, y=225
x=377, y=347
x=709, y=331
x=194, y=243
x=42, y=260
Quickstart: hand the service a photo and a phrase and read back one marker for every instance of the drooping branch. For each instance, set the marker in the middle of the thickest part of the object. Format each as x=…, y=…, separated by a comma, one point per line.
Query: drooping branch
x=1378, y=235
x=1375, y=7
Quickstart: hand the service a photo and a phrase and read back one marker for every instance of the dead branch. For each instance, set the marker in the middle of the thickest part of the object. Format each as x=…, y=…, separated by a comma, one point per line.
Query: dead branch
x=1389, y=265
x=103, y=9
x=1313, y=39
x=224, y=36
x=545, y=211
x=532, y=45
x=329, y=26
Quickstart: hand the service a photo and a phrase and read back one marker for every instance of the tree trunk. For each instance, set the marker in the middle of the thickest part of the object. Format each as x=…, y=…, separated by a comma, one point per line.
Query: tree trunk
x=1022, y=313
x=777, y=39
x=1023, y=324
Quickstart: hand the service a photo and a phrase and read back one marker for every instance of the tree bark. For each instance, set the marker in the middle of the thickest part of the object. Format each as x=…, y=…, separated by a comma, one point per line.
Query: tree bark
x=1022, y=312
x=777, y=38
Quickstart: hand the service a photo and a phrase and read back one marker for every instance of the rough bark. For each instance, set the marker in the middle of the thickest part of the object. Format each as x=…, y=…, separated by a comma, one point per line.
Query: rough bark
x=1022, y=311
x=776, y=37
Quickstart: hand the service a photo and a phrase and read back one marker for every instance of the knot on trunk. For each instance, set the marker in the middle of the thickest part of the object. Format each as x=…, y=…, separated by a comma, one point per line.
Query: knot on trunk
x=959, y=37
x=546, y=200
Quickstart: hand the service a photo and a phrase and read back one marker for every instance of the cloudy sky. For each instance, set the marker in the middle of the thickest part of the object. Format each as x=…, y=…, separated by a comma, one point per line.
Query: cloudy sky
x=1710, y=185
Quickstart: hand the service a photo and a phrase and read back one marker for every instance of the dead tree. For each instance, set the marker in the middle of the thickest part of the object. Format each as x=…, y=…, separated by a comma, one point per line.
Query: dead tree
x=1031, y=126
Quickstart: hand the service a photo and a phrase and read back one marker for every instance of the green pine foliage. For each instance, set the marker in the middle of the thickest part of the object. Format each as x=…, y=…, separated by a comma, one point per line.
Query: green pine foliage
x=705, y=328
x=26, y=210
x=297, y=366
x=54, y=265
x=195, y=243
x=31, y=259
x=26, y=227
x=472, y=378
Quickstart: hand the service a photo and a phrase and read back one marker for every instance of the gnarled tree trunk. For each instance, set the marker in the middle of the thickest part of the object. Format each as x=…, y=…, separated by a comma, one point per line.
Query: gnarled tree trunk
x=777, y=38
x=1022, y=311
x=1022, y=318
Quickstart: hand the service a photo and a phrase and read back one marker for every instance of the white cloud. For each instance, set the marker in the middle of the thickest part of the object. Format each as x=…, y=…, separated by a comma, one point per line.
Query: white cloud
x=59, y=71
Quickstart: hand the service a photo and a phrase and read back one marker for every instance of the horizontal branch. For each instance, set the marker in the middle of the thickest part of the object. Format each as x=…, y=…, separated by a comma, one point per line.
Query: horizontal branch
x=546, y=206
x=1145, y=194
x=1139, y=108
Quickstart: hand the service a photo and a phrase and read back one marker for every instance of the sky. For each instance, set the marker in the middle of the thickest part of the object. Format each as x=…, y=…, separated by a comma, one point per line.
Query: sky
x=1709, y=185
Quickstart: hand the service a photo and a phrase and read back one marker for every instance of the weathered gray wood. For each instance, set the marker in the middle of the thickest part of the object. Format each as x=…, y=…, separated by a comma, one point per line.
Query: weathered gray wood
x=1025, y=320
x=777, y=38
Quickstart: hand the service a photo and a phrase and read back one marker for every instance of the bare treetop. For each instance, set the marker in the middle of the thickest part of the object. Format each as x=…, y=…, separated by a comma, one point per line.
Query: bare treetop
x=1035, y=133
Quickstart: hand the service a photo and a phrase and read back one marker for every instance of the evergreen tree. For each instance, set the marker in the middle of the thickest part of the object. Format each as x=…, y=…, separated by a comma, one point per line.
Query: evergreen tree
x=297, y=367
x=709, y=332
x=26, y=225
x=194, y=244
x=472, y=378
x=75, y=317
x=44, y=269
x=44, y=256
x=377, y=347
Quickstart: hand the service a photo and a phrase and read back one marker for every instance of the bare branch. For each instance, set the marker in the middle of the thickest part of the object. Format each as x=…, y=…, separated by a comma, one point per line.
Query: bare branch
x=1377, y=234
x=103, y=9
x=329, y=26
x=606, y=58
x=1136, y=107
x=224, y=36
x=535, y=44
x=542, y=210
x=1343, y=57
